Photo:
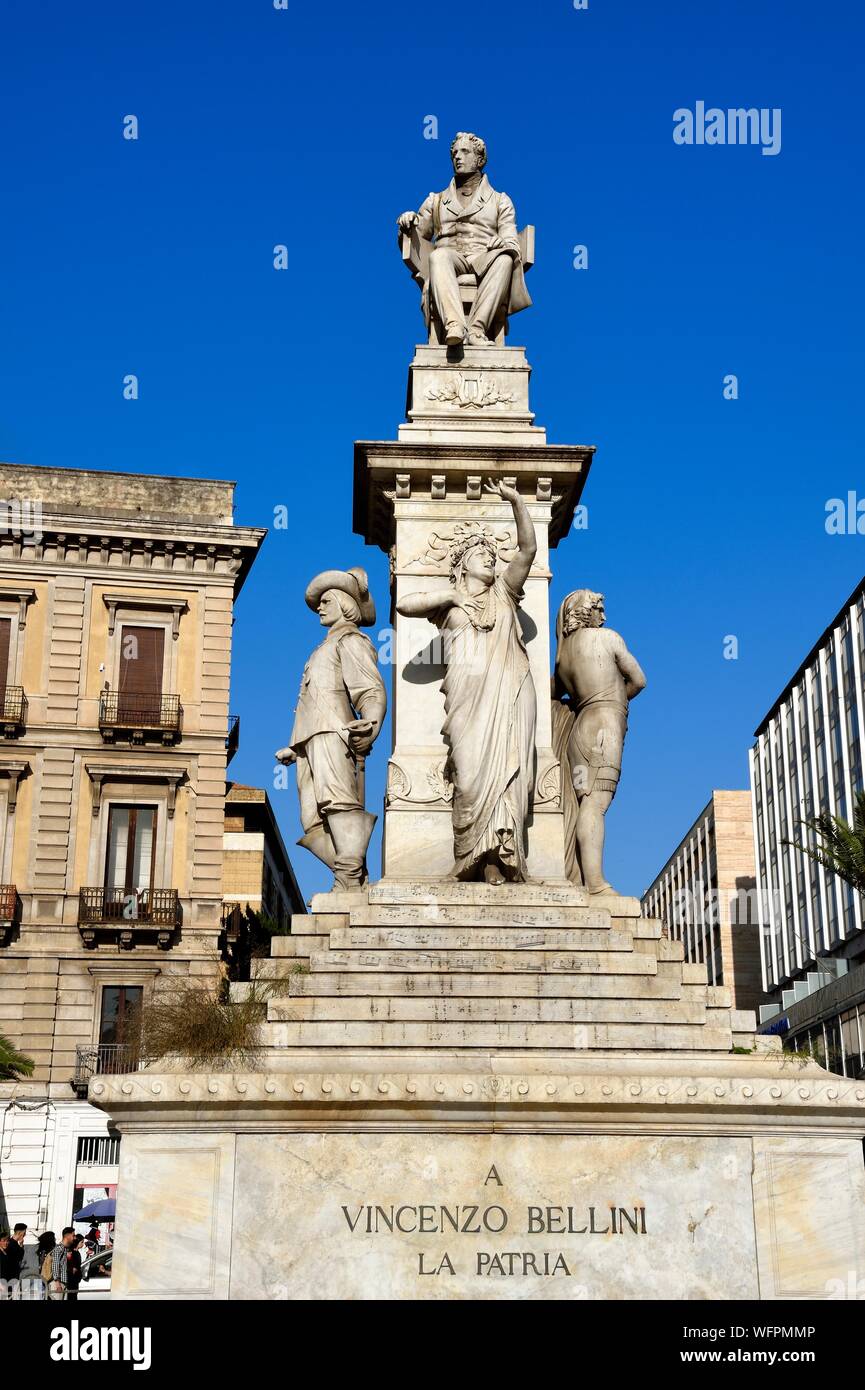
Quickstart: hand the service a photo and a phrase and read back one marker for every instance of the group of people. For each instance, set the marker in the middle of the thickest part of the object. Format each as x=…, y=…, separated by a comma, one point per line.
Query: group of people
x=57, y=1263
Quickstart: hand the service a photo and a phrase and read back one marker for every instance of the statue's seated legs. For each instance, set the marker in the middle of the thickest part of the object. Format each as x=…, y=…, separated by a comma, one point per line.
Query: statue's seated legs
x=445, y=268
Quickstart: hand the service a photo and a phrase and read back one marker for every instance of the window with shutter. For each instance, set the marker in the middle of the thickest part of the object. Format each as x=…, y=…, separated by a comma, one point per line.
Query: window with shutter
x=142, y=651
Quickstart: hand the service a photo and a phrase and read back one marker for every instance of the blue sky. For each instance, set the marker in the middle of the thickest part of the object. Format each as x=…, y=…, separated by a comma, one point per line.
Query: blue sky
x=305, y=127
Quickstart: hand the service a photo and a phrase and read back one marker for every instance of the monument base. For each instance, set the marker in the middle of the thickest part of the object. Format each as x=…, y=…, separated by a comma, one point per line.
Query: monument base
x=527, y=1176
x=477, y=1091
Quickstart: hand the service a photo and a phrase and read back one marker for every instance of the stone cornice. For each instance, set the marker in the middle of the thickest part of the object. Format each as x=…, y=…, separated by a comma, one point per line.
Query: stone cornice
x=679, y=1095
x=98, y=772
x=385, y=470
x=150, y=547
x=142, y=599
x=24, y=596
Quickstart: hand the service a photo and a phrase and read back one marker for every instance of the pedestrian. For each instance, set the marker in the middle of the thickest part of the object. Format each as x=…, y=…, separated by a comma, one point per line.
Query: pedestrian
x=73, y=1267
x=30, y=1259
x=6, y=1260
x=59, y=1280
x=94, y=1234
x=15, y=1251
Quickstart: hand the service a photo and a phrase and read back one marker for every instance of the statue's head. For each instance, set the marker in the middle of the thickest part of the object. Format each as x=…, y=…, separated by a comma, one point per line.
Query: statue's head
x=582, y=608
x=468, y=153
x=474, y=559
x=334, y=605
x=336, y=594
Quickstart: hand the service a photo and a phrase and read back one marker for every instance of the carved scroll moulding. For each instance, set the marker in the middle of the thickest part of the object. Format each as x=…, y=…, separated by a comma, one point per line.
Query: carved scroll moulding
x=548, y=787
x=428, y=786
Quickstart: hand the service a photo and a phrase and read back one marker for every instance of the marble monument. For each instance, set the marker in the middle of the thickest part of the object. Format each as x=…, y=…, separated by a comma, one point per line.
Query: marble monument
x=483, y=1074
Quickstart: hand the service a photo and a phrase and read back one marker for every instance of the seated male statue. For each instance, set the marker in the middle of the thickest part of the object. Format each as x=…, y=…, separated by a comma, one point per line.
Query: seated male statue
x=473, y=229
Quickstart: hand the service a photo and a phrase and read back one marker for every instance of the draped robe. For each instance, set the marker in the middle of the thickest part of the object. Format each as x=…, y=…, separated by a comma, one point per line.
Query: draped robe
x=489, y=726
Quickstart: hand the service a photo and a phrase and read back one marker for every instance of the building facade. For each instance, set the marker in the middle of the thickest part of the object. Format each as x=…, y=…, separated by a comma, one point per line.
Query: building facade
x=116, y=606
x=260, y=892
x=705, y=896
x=807, y=758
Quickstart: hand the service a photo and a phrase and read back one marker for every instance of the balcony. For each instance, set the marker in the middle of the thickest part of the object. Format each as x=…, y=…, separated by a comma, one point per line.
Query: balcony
x=13, y=711
x=10, y=905
x=138, y=717
x=106, y=1059
x=112, y=914
x=232, y=741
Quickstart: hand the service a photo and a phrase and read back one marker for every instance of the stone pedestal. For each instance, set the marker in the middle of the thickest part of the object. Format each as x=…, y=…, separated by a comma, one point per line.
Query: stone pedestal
x=469, y=420
x=482, y=393
x=487, y=1092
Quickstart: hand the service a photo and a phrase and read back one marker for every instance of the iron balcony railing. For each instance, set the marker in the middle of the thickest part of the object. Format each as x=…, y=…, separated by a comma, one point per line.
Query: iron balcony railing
x=232, y=740
x=8, y=902
x=150, y=907
x=159, y=713
x=106, y=1059
x=13, y=709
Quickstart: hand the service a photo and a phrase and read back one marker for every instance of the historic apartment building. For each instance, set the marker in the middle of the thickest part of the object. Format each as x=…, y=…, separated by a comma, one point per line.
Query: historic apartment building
x=116, y=606
x=807, y=758
x=705, y=896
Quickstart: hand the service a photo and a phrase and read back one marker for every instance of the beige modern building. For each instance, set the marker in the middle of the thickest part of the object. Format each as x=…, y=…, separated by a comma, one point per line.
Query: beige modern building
x=260, y=892
x=705, y=895
x=116, y=606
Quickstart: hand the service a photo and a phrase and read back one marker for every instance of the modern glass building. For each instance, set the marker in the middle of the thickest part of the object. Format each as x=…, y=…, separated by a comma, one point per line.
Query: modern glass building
x=808, y=757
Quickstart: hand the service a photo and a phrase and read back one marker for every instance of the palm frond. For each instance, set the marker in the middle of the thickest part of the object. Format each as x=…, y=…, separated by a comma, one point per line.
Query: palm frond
x=13, y=1064
x=839, y=846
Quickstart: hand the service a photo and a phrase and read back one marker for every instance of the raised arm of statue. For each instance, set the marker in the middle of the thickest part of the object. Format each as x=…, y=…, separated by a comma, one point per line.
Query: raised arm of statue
x=517, y=572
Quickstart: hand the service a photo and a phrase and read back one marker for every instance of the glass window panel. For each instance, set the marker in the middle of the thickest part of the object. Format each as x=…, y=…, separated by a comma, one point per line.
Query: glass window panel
x=145, y=817
x=118, y=845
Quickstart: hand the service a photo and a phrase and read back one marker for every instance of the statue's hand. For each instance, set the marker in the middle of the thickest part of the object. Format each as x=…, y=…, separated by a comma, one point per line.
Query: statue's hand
x=495, y=244
x=406, y=221
x=286, y=756
x=361, y=736
x=509, y=494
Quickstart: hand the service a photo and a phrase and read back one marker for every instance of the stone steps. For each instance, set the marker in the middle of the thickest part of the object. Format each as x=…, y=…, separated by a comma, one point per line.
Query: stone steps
x=666, y=984
x=441, y=965
x=649, y=1037
x=298, y=945
x=468, y=961
x=443, y=892
x=493, y=1009
x=478, y=939
x=486, y=915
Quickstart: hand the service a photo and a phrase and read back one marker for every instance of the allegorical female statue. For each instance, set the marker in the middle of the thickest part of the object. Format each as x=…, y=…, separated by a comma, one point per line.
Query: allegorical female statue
x=595, y=679
x=489, y=699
